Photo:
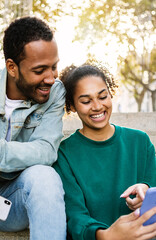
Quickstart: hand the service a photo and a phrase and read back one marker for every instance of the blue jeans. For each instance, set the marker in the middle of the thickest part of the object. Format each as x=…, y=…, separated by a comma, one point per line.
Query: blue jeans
x=37, y=198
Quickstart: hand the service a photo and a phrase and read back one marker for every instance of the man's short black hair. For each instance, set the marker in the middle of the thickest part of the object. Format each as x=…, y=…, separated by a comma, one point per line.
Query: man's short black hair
x=22, y=31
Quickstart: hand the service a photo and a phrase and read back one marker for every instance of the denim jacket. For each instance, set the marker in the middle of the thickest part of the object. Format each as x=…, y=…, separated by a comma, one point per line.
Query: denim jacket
x=36, y=131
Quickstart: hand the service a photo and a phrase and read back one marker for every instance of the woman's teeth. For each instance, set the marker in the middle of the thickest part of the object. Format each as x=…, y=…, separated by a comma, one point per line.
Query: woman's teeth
x=98, y=115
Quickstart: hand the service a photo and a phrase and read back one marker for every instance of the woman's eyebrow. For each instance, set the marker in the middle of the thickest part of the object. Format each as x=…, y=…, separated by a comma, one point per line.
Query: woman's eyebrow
x=87, y=95
x=103, y=90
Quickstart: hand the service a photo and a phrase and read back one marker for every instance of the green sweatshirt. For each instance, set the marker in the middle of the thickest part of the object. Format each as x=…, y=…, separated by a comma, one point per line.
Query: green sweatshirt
x=95, y=174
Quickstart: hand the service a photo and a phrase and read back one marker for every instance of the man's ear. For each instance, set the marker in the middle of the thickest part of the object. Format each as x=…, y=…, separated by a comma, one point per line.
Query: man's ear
x=12, y=67
x=72, y=108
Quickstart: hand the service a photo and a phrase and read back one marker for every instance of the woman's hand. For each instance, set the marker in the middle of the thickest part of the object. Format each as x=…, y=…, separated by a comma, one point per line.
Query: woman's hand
x=139, y=190
x=129, y=227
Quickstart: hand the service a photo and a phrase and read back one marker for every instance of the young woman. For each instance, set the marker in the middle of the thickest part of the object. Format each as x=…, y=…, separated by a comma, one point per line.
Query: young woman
x=102, y=165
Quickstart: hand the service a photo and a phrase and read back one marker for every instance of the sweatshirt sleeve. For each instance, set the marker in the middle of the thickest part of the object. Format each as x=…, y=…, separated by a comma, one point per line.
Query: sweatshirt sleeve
x=81, y=226
x=150, y=176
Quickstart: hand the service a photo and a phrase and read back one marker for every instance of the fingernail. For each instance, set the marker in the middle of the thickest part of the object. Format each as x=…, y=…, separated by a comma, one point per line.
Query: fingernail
x=137, y=211
x=122, y=195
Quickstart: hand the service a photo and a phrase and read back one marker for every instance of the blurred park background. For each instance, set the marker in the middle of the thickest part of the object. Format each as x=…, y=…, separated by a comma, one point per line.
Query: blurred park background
x=119, y=33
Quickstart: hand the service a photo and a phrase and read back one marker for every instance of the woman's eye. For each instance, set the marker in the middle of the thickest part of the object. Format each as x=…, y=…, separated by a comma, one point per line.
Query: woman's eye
x=103, y=97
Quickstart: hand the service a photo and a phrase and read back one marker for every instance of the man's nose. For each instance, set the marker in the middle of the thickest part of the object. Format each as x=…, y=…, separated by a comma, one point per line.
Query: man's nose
x=50, y=78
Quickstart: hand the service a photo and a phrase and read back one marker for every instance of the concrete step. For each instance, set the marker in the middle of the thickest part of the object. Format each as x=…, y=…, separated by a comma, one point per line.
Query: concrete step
x=23, y=235
x=143, y=121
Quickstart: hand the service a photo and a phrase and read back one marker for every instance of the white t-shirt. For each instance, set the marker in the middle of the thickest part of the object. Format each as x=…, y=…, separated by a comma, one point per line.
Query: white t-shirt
x=10, y=105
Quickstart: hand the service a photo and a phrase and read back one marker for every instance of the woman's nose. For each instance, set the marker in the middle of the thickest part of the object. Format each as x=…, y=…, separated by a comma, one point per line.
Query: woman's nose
x=96, y=105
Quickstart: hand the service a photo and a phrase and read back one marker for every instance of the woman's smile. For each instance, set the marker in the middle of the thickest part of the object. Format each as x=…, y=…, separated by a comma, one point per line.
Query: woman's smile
x=98, y=117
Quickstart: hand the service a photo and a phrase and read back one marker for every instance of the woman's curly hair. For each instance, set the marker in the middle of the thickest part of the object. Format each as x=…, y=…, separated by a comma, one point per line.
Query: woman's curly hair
x=72, y=74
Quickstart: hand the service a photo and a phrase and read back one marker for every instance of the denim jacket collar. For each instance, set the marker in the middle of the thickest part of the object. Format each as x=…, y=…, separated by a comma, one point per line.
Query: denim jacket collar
x=3, y=82
x=3, y=90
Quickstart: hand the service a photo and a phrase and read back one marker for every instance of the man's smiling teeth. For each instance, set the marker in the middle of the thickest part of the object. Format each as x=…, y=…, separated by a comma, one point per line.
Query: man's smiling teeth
x=44, y=89
x=98, y=115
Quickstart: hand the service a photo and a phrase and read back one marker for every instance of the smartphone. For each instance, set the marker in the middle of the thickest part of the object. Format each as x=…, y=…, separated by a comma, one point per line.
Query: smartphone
x=5, y=206
x=148, y=203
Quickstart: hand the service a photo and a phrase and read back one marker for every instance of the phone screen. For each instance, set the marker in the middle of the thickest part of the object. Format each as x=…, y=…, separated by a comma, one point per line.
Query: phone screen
x=148, y=203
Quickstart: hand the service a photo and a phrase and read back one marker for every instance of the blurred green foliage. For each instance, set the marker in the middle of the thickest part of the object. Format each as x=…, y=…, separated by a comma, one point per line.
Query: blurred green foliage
x=129, y=22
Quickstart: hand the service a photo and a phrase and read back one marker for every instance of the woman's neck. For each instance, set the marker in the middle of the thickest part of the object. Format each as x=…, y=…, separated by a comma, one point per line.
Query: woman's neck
x=98, y=134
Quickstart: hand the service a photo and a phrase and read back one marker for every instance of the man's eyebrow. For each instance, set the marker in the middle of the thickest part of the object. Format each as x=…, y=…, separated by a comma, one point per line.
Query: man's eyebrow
x=44, y=66
x=39, y=66
x=87, y=95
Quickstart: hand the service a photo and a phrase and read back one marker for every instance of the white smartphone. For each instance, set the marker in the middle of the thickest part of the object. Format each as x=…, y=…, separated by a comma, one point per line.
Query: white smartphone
x=5, y=206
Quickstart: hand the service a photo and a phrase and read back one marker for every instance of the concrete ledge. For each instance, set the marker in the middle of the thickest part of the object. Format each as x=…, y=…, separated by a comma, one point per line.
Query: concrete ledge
x=142, y=121
x=22, y=235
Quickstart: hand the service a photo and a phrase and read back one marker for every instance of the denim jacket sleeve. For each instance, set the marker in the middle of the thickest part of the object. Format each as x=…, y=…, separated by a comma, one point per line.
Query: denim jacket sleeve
x=36, y=144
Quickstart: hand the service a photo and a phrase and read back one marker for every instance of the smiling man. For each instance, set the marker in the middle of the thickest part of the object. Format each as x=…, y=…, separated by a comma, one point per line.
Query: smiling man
x=31, y=110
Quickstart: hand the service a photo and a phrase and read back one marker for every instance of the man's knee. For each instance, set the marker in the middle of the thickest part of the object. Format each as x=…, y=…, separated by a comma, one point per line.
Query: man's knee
x=42, y=180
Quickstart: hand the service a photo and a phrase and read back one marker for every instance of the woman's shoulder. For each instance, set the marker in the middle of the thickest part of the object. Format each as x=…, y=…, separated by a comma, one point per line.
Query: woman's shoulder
x=128, y=130
x=70, y=140
x=133, y=133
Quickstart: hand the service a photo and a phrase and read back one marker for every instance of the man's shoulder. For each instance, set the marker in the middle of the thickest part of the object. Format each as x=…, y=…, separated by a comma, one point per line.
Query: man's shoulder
x=3, y=71
x=58, y=84
x=57, y=89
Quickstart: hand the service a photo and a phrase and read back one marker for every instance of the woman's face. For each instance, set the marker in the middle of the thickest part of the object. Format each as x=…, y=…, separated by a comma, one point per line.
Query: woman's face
x=92, y=102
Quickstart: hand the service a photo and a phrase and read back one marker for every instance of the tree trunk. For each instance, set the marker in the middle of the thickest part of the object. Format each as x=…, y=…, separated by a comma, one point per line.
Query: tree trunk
x=139, y=103
x=139, y=98
x=153, y=95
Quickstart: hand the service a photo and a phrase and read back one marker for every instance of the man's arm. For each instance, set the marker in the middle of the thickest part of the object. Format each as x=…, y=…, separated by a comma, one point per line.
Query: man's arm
x=43, y=143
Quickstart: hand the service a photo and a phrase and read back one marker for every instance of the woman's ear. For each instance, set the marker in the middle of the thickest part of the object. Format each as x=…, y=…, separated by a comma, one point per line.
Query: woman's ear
x=72, y=108
x=12, y=67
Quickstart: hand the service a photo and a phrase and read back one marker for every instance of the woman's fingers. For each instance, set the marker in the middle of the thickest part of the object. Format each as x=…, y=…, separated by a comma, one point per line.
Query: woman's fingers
x=136, y=189
x=147, y=215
